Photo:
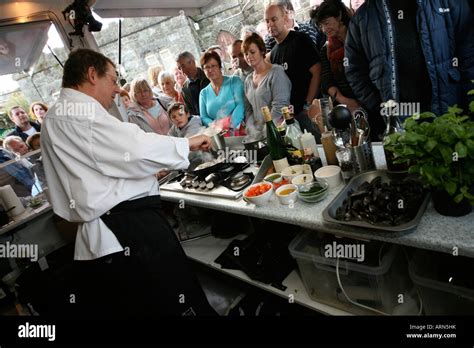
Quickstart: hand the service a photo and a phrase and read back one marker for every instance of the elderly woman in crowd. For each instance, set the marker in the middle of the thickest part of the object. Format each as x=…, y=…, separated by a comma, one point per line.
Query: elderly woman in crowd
x=333, y=18
x=222, y=101
x=37, y=112
x=153, y=73
x=268, y=85
x=167, y=83
x=16, y=145
x=148, y=112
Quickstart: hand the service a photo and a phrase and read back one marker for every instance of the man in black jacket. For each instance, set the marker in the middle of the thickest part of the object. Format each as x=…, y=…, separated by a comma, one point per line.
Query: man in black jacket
x=196, y=81
x=23, y=126
x=418, y=53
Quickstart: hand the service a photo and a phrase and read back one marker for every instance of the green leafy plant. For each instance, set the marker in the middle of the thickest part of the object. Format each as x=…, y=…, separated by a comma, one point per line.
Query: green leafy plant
x=440, y=150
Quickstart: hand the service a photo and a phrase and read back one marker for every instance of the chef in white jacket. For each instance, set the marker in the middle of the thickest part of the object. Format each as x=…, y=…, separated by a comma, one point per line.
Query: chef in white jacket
x=100, y=173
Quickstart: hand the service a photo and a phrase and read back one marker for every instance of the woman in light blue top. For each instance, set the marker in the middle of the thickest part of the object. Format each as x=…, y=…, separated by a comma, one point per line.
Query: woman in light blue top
x=223, y=97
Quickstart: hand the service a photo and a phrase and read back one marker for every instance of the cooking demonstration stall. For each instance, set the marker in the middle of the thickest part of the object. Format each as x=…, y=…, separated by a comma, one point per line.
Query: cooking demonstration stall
x=427, y=232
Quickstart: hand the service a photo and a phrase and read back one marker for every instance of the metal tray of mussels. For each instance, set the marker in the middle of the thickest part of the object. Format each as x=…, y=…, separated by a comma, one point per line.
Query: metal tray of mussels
x=329, y=214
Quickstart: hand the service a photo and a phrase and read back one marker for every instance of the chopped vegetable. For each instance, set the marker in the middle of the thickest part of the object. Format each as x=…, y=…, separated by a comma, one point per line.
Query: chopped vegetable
x=258, y=190
x=282, y=182
x=273, y=177
x=314, y=189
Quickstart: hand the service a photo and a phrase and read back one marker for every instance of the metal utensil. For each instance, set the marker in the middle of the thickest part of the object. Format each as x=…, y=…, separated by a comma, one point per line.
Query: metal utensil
x=362, y=121
x=218, y=140
x=338, y=139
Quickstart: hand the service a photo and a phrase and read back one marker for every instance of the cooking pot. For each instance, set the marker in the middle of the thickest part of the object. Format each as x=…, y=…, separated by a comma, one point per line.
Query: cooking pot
x=217, y=138
x=256, y=142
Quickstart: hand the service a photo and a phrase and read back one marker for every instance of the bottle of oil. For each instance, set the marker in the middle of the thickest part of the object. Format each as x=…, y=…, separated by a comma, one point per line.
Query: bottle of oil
x=330, y=148
x=275, y=143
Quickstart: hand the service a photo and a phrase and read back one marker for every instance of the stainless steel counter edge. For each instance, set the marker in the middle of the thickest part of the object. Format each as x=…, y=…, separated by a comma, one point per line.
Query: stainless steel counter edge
x=18, y=223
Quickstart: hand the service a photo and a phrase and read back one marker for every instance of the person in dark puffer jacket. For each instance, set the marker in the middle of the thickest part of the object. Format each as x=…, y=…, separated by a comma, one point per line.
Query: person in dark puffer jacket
x=411, y=51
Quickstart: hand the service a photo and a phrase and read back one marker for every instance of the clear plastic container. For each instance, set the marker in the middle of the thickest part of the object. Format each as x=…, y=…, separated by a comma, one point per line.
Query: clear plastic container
x=445, y=282
x=376, y=282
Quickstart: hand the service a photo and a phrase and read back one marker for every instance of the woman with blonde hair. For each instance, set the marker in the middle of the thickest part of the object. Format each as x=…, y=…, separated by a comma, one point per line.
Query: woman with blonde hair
x=153, y=73
x=146, y=111
x=167, y=83
x=37, y=112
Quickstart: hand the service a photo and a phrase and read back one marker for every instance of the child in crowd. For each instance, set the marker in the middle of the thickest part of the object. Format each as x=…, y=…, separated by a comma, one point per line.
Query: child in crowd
x=184, y=124
x=125, y=98
x=34, y=141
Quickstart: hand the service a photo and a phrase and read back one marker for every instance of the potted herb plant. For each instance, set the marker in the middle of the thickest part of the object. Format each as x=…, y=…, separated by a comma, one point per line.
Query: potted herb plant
x=441, y=151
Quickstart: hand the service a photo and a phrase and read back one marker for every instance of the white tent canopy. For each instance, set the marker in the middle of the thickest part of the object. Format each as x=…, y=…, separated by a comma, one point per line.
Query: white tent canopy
x=149, y=8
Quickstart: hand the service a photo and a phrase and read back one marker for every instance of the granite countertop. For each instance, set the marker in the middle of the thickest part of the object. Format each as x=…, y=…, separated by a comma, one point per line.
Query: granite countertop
x=434, y=232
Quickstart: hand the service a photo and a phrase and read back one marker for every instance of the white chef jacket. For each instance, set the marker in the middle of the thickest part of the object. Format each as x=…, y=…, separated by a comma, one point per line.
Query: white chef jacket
x=93, y=162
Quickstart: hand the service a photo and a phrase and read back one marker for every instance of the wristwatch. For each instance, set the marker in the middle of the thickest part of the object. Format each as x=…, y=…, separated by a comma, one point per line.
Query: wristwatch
x=306, y=106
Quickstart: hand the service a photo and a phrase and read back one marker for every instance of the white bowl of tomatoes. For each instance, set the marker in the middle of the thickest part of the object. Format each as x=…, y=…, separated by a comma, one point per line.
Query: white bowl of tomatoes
x=258, y=194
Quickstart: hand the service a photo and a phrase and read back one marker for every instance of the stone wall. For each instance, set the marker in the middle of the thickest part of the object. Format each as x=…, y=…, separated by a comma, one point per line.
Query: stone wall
x=163, y=37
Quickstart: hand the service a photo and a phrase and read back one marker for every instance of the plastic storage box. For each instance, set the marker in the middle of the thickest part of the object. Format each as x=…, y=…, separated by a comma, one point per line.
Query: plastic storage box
x=375, y=282
x=445, y=282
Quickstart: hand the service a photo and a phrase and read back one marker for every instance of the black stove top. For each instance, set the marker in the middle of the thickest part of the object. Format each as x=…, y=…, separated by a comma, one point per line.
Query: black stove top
x=230, y=175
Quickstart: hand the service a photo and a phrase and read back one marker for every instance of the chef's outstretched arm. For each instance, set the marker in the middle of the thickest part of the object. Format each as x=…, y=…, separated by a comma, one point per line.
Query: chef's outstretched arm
x=199, y=142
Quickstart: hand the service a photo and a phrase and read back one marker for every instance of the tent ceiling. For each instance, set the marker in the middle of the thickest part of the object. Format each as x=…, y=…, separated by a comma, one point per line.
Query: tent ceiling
x=148, y=8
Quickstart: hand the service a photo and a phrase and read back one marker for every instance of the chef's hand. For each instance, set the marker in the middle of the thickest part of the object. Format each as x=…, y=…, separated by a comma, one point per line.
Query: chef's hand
x=199, y=142
x=161, y=174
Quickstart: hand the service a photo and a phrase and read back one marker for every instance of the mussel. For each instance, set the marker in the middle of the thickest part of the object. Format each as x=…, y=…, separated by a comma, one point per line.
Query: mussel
x=382, y=203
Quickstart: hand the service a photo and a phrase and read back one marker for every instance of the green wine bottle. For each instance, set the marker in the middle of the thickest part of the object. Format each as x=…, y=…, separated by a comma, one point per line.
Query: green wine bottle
x=275, y=142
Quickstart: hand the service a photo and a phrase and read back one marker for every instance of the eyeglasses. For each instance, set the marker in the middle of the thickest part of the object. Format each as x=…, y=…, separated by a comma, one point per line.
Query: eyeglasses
x=115, y=80
x=210, y=67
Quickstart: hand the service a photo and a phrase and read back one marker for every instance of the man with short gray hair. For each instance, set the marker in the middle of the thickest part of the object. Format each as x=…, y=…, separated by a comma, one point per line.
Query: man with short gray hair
x=196, y=81
x=317, y=37
x=299, y=58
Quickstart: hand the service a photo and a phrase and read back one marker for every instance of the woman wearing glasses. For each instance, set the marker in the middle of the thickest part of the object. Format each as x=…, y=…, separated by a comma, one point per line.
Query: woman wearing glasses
x=221, y=103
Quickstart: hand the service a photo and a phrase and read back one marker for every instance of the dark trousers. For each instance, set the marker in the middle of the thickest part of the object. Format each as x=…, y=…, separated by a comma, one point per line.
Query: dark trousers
x=151, y=278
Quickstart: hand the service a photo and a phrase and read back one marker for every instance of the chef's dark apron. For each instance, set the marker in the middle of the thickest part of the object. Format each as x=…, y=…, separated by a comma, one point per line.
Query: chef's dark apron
x=152, y=277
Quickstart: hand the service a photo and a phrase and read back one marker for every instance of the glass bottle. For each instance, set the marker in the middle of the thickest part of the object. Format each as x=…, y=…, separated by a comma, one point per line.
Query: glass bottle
x=293, y=130
x=313, y=161
x=330, y=148
x=275, y=143
x=292, y=138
